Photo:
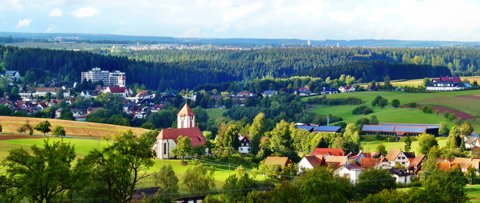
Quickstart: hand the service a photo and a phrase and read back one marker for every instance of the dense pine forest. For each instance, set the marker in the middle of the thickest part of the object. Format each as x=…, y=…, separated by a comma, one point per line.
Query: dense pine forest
x=180, y=69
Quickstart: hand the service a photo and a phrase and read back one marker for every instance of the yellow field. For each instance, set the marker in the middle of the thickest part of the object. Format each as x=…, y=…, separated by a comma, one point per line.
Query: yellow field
x=73, y=128
x=418, y=82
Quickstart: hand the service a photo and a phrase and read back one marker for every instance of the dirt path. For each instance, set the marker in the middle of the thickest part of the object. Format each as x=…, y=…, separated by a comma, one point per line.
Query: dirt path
x=11, y=137
x=459, y=114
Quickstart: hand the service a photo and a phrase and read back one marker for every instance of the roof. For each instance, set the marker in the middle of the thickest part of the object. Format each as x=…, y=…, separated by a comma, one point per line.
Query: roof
x=117, y=89
x=398, y=171
x=194, y=134
x=370, y=162
x=10, y=72
x=352, y=167
x=399, y=128
x=185, y=111
x=417, y=160
x=330, y=151
x=455, y=79
x=314, y=160
x=305, y=127
x=341, y=160
x=445, y=166
x=277, y=160
x=326, y=128
x=392, y=154
x=471, y=140
x=465, y=163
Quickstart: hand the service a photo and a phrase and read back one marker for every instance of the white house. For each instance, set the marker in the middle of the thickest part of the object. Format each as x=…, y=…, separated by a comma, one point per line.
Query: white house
x=244, y=147
x=447, y=84
x=12, y=75
x=344, y=89
x=310, y=162
x=121, y=91
x=397, y=157
x=349, y=171
x=401, y=176
x=471, y=142
x=167, y=138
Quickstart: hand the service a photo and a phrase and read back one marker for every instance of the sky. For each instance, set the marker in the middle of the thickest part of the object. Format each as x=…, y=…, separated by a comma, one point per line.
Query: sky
x=454, y=20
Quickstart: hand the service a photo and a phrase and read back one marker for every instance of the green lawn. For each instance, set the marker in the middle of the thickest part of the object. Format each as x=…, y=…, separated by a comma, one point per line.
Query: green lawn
x=214, y=113
x=371, y=146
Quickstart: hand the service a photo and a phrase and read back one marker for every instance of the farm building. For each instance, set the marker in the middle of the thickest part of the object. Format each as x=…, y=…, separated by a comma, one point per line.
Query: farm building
x=447, y=84
x=313, y=128
x=400, y=129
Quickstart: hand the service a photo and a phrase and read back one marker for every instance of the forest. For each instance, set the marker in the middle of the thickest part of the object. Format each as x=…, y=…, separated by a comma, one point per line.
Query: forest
x=182, y=69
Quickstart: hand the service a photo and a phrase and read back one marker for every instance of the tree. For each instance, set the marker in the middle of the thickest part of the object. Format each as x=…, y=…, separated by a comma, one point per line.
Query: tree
x=408, y=143
x=442, y=187
x=237, y=187
x=466, y=129
x=115, y=171
x=280, y=139
x=425, y=142
x=228, y=103
x=256, y=132
x=373, y=120
x=320, y=185
x=395, y=103
x=59, y=131
x=199, y=179
x=26, y=127
x=391, y=196
x=383, y=102
x=183, y=148
x=376, y=100
x=381, y=149
x=43, y=126
x=45, y=174
x=443, y=129
x=167, y=183
x=454, y=137
x=372, y=181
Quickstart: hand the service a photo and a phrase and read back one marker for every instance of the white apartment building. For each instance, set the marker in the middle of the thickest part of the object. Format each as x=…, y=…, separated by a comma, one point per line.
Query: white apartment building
x=115, y=78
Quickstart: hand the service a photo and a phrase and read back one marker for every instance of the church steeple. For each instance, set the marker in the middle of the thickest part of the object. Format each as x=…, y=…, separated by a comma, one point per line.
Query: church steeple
x=185, y=117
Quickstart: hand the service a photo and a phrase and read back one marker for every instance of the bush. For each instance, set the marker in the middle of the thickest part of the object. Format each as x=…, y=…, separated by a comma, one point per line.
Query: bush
x=395, y=103
x=383, y=102
x=427, y=109
x=411, y=105
x=362, y=110
x=59, y=131
x=335, y=101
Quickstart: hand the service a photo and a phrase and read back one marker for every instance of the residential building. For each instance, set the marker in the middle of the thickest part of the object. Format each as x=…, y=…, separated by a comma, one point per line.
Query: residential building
x=278, y=161
x=13, y=75
x=349, y=171
x=167, y=138
x=269, y=93
x=244, y=147
x=120, y=91
x=344, y=89
x=115, y=78
x=401, y=176
x=377, y=163
x=397, y=157
x=328, y=151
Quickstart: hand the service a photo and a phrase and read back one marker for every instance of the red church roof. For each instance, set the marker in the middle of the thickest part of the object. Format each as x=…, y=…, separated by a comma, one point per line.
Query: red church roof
x=117, y=89
x=331, y=151
x=186, y=111
x=194, y=134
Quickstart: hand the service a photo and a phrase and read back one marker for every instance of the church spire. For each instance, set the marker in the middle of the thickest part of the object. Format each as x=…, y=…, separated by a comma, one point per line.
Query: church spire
x=185, y=117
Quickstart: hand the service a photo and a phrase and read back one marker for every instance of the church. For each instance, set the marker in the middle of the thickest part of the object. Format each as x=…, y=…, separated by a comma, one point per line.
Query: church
x=167, y=138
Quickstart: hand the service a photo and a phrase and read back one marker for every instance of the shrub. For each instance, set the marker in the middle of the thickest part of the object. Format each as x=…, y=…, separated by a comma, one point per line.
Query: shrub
x=362, y=110
x=411, y=105
x=427, y=109
x=395, y=103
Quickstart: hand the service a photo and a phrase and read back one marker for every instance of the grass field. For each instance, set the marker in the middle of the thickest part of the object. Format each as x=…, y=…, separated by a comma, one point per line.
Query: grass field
x=214, y=113
x=371, y=146
x=73, y=128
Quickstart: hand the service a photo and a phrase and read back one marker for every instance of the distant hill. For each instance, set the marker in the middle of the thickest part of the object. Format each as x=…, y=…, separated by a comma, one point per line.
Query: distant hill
x=242, y=42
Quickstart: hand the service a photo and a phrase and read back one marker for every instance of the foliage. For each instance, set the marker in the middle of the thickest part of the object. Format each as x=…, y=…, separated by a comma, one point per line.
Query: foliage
x=59, y=131
x=362, y=110
x=183, y=148
x=43, y=127
x=381, y=150
x=372, y=181
x=167, y=183
x=26, y=127
x=256, y=132
x=395, y=103
x=443, y=129
x=426, y=141
x=237, y=187
x=199, y=179
x=391, y=196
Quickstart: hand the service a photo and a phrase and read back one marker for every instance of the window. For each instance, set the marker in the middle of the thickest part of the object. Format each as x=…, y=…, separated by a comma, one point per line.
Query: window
x=164, y=148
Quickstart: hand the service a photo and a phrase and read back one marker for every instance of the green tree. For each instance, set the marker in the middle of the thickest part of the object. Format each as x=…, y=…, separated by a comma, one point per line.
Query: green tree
x=373, y=120
x=425, y=142
x=183, y=148
x=442, y=187
x=383, y=102
x=59, y=131
x=44, y=127
x=228, y=103
x=237, y=187
x=391, y=196
x=167, y=183
x=381, y=149
x=43, y=175
x=256, y=132
x=372, y=181
x=199, y=179
x=443, y=129
x=26, y=127
x=395, y=103
x=116, y=170
x=466, y=129
x=320, y=185
x=408, y=143
x=454, y=137
x=280, y=138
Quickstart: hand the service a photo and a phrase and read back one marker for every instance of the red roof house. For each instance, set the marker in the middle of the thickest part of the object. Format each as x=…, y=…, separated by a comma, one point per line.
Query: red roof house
x=328, y=151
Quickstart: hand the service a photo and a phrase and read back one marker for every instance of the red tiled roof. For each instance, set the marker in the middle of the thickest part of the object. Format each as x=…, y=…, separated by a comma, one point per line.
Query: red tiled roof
x=369, y=162
x=117, y=89
x=314, y=160
x=194, y=134
x=277, y=160
x=455, y=79
x=185, y=111
x=331, y=151
x=417, y=161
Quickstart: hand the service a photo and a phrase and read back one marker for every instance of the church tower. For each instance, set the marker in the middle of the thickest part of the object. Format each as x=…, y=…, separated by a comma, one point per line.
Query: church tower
x=185, y=118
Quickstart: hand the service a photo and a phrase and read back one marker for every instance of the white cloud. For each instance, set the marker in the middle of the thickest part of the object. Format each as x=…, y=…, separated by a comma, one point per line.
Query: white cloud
x=85, y=12
x=56, y=12
x=24, y=22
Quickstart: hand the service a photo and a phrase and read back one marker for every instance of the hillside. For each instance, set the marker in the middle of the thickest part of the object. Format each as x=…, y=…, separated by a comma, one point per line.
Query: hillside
x=73, y=128
x=461, y=103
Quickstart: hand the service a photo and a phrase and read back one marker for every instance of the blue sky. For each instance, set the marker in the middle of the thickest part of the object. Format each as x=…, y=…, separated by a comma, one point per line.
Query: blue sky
x=303, y=19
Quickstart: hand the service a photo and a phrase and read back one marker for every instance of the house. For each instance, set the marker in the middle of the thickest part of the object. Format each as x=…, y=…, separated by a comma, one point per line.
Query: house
x=401, y=176
x=397, y=157
x=244, y=147
x=245, y=94
x=447, y=84
x=328, y=151
x=357, y=157
x=58, y=113
x=277, y=161
x=310, y=162
x=167, y=138
x=13, y=75
x=303, y=91
x=336, y=161
x=344, y=89
x=416, y=165
x=349, y=171
x=398, y=129
x=471, y=142
x=465, y=163
x=269, y=93
x=327, y=129
x=329, y=90
x=120, y=91
x=378, y=163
